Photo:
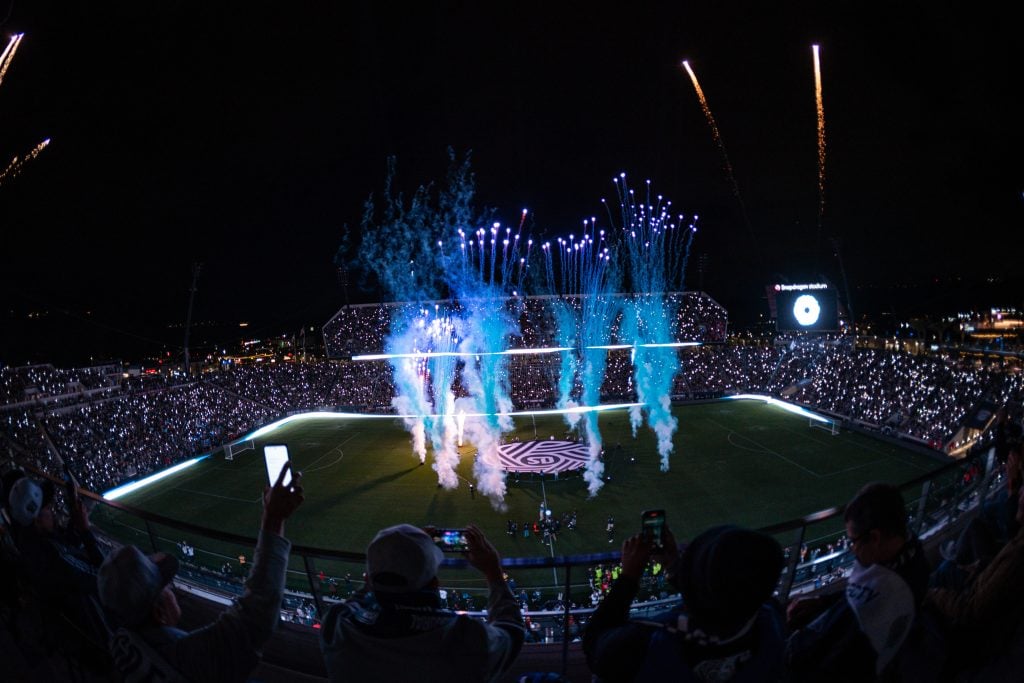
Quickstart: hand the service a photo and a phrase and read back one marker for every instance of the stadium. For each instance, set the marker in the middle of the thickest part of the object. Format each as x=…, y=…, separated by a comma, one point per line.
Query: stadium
x=774, y=433
x=403, y=434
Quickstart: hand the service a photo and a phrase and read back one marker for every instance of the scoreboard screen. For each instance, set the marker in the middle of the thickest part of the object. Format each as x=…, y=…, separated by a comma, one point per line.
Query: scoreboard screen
x=805, y=308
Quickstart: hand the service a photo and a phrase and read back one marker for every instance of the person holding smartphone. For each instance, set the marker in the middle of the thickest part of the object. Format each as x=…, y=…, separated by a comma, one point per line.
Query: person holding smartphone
x=727, y=627
x=137, y=591
x=400, y=631
x=59, y=564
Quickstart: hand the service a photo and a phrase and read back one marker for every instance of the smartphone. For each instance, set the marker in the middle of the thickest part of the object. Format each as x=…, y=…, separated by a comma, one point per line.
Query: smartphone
x=275, y=456
x=451, y=540
x=652, y=524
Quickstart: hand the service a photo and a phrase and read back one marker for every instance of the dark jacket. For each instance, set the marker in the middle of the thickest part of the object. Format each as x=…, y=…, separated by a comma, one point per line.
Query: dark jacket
x=834, y=647
x=620, y=649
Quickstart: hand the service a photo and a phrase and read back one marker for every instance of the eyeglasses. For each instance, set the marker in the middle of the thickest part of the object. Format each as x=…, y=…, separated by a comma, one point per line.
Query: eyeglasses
x=854, y=540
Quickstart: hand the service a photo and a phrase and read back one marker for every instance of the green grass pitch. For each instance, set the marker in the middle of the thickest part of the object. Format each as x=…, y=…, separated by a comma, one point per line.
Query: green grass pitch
x=742, y=462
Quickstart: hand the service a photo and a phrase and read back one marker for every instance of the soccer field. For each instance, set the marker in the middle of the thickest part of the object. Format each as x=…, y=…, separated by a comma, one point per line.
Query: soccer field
x=744, y=462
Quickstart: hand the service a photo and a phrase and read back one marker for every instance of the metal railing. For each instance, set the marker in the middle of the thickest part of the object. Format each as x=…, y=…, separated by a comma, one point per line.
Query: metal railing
x=934, y=500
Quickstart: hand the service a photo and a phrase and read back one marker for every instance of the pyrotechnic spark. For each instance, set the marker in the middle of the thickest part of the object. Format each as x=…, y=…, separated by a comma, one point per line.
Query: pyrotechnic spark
x=658, y=246
x=485, y=279
x=8, y=55
x=820, y=106
x=725, y=156
x=584, y=310
x=17, y=163
x=411, y=251
x=467, y=341
x=711, y=120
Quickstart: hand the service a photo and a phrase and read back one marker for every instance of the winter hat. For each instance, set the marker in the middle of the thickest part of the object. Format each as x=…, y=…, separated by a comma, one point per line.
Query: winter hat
x=725, y=574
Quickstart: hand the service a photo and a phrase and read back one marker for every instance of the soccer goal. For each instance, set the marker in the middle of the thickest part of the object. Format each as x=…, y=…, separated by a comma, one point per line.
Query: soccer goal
x=233, y=449
x=830, y=426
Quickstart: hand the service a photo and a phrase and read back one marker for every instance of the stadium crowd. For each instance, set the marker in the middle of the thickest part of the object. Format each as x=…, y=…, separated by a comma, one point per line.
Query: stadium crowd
x=895, y=618
x=36, y=381
x=109, y=429
x=126, y=427
x=363, y=329
x=109, y=441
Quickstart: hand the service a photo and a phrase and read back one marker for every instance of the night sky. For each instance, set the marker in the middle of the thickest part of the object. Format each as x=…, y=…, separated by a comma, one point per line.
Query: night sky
x=246, y=136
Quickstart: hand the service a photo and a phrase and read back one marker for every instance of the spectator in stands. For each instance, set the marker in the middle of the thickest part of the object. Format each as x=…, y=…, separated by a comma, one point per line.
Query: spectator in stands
x=728, y=630
x=985, y=617
x=7, y=481
x=985, y=534
x=59, y=564
x=1000, y=513
x=859, y=637
x=1007, y=433
x=136, y=589
x=399, y=630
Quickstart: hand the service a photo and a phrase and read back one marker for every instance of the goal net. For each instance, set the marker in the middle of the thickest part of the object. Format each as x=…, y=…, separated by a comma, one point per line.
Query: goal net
x=830, y=426
x=233, y=449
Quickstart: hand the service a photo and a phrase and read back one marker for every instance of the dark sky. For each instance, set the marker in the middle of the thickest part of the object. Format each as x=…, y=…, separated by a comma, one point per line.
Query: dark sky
x=246, y=135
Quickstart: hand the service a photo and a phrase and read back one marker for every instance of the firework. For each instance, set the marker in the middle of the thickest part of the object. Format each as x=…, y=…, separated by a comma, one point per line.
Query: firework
x=17, y=163
x=717, y=136
x=583, y=273
x=820, y=108
x=464, y=279
x=658, y=246
x=8, y=54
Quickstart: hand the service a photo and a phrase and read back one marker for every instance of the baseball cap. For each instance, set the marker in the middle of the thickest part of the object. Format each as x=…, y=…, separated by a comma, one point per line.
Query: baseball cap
x=130, y=581
x=402, y=559
x=27, y=498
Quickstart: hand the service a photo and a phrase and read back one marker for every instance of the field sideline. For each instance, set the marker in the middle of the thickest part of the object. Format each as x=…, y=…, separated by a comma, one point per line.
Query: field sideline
x=742, y=462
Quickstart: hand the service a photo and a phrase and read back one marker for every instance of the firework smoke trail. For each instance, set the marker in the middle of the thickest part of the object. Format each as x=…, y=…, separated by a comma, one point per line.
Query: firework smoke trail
x=658, y=247
x=588, y=276
x=441, y=335
x=410, y=379
x=566, y=323
x=398, y=248
x=820, y=107
x=8, y=54
x=17, y=163
x=483, y=281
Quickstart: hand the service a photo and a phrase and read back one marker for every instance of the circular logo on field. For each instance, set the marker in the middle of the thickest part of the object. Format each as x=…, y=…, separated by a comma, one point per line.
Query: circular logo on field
x=542, y=456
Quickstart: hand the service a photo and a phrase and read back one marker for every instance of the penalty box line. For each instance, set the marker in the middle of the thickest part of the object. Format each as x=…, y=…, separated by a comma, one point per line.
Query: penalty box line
x=764, y=448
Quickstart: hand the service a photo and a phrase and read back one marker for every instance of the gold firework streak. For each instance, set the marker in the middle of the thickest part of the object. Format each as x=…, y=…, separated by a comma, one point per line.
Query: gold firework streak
x=711, y=122
x=14, y=168
x=725, y=157
x=8, y=56
x=821, y=134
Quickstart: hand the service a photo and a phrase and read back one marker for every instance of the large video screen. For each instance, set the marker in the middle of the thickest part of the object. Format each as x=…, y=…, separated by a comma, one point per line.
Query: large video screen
x=806, y=308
